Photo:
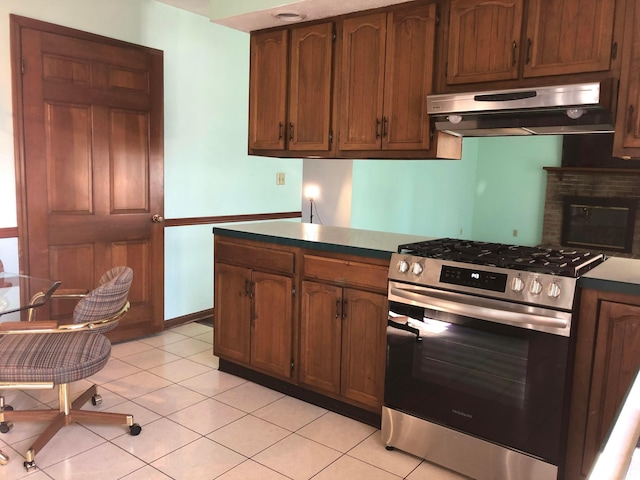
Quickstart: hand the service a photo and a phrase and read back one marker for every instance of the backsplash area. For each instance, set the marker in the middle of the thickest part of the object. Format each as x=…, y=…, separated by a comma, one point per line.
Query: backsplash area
x=604, y=183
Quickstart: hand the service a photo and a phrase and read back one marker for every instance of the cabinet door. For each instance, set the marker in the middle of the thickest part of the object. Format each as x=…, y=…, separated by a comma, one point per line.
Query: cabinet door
x=268, y=90
x=568, y=36
x=628, y=125
x=232, y=312
x=310, y=87
x=363, y=346
x=272, y=322
x=408, y=77
x=484, y=38
x=362, y=72
x=616, y=362
x=320, y=336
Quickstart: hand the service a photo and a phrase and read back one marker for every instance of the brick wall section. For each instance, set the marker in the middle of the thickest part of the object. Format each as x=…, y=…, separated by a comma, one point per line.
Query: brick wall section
x=581, y=184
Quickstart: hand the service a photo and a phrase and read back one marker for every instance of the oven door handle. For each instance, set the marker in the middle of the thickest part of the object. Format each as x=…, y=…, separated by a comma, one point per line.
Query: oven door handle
x=523, y=316
x=405, y=327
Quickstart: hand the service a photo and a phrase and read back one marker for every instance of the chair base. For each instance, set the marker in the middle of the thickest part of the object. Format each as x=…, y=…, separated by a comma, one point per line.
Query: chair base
x=68, y=413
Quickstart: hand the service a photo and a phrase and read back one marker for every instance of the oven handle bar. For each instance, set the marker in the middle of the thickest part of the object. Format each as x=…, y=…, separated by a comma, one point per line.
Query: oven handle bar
x=497, y=311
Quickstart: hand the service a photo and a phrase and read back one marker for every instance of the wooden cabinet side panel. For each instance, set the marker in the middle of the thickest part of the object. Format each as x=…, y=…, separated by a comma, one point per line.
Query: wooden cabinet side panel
x=363, y=346
x=310, y=87
x=482, y=35
x=362, y=83
x=320, y=336
x=568, y=36
x=615, y=364
x=408, y=77
x=232, y=313
x=272, y=323
x=267, y=90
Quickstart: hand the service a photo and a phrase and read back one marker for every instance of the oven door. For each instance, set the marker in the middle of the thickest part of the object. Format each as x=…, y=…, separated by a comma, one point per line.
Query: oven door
x=492, y=380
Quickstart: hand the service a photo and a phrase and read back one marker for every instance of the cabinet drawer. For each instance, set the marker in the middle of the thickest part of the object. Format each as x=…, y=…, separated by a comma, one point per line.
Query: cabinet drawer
x=346, y=272
x=255, y=256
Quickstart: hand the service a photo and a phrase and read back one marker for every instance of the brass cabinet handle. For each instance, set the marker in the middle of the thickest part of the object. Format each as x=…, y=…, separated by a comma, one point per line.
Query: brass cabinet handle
x=377, y=128
x=290, y=132
x=338, y=308
x=280, y=130
x=514, y=46
x=344, y=309
x=528, y=51
x=385, y=126
x=630, y=118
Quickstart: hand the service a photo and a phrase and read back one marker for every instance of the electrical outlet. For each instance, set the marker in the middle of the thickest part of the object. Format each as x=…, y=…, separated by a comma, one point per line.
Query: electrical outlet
x=280, y=178
x=515, y=232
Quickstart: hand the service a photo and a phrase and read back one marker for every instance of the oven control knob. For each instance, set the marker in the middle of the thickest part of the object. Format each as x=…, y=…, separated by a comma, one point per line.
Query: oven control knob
x=554, y=290
x=517, y=284
x=403, y=266
x=536, y=287
x=416, y=269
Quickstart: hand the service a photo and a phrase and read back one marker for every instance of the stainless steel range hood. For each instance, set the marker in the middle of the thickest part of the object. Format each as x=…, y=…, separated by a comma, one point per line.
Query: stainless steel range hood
x=555, y=110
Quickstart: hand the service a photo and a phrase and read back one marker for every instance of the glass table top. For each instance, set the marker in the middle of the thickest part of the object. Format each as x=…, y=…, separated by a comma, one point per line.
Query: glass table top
x=23, y=292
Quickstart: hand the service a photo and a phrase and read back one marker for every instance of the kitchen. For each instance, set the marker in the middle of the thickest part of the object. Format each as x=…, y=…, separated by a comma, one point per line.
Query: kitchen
x=223, y=180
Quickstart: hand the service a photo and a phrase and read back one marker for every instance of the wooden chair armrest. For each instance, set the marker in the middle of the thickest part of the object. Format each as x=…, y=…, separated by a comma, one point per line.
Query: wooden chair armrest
x=28, y=327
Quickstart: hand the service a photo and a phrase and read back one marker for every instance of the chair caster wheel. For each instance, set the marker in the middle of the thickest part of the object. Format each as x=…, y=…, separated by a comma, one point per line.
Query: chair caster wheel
x=5, y=427
x=96, y=400
x=4, y=458
x=7, y=408
x=389, y=448
x=135, y=429
x=30, y=466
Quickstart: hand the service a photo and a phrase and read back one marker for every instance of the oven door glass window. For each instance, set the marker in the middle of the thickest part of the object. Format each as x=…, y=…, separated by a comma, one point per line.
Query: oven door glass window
x=500, y=383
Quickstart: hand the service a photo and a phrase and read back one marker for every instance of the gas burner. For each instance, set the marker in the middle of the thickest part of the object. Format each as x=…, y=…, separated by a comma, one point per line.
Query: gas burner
x=559, y=262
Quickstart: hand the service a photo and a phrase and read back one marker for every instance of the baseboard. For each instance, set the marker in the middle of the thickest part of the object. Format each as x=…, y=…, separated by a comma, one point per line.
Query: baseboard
x=204, y=316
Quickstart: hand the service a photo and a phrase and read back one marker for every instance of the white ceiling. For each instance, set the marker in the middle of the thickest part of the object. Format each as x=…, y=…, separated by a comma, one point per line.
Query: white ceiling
x=256, y=20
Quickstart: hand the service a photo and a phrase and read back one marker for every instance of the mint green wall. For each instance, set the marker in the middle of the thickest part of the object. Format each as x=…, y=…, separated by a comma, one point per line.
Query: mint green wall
x=498, y=186
x=207, y=169
x=422, y=197
x=511, y=186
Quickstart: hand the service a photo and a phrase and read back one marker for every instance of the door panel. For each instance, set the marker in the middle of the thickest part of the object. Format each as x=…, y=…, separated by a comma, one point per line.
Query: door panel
x=91, y=118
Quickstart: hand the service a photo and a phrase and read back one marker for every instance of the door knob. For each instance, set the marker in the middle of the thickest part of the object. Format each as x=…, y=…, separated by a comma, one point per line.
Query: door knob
x=157, y=218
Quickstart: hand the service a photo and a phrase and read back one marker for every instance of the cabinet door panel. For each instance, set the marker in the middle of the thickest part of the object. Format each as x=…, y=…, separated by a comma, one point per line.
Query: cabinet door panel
x=271, y=326
x=310, y=87
x=320, y=340
x=629, y=127
x=568, y=36
x=484, y=38
x=233, y=312
x=616, y=363
x=268, y=90
x=361, y=94
x=363, y=346
x=408, y=77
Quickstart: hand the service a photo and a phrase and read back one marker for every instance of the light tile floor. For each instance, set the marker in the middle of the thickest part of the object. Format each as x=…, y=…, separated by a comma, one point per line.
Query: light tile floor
x=200, y=423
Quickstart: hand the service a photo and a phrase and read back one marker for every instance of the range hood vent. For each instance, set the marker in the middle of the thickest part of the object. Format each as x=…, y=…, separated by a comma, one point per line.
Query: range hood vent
x=556, y=110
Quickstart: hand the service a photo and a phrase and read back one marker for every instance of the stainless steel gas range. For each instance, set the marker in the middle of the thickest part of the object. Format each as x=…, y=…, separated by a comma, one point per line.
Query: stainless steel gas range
x=478, y=355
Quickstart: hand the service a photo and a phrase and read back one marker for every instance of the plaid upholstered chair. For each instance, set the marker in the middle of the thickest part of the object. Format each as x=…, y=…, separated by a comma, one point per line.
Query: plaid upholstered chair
x=44, y=354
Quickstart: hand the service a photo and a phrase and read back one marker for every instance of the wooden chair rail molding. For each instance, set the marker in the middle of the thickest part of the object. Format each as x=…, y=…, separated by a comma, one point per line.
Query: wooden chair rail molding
x=252, y=217
x=10, y=232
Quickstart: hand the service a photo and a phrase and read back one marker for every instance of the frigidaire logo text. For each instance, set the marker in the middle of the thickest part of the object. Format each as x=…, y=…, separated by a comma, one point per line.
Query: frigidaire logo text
x=462, y=414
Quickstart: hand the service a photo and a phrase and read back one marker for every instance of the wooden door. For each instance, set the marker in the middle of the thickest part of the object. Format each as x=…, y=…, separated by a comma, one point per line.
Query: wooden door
x=268, y=90
x=320, y=336
x=363, y=346
x=411, y=36
x=272, y=323
x=484, y=38
x=90, y=160
x=616, y=363
x=362, y=82
x=568, y=36
x=310, y=87
x=232, y=321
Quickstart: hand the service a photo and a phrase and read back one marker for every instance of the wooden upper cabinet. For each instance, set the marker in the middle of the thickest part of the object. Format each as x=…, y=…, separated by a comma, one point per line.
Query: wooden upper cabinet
x=568, y=36
x=387, y=72
x=310, y=89
x=484, y=40
x=627, y=133
x=363, y=55
x=411, y=34
x=268, y=90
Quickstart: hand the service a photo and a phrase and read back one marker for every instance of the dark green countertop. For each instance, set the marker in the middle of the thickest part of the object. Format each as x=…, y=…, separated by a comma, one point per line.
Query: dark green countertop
x=367, y=243
x=619, y=275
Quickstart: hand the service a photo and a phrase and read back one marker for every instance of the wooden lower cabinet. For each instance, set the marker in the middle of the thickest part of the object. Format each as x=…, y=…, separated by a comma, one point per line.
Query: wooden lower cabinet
x=342, y=335
x=606, y=363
